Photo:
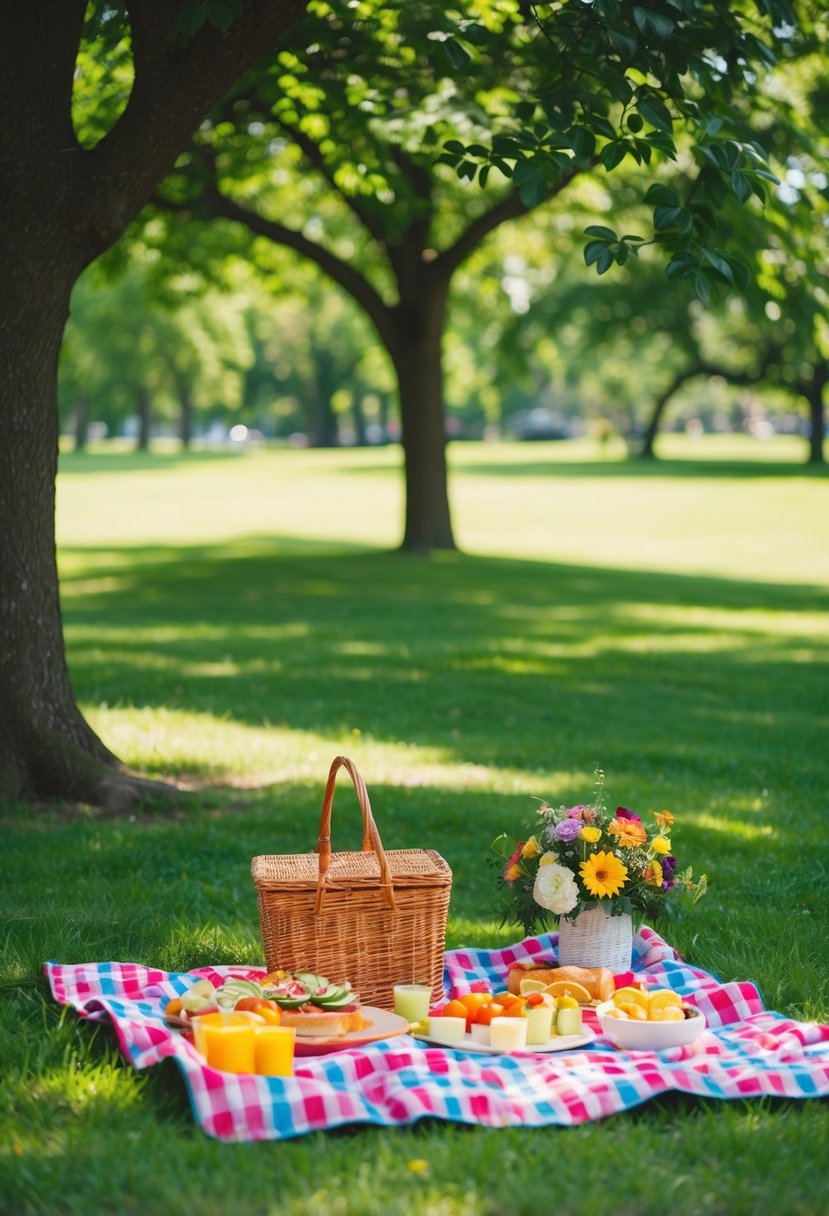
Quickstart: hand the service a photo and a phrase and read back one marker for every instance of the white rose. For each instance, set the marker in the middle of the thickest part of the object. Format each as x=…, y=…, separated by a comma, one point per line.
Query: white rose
x=555, y=888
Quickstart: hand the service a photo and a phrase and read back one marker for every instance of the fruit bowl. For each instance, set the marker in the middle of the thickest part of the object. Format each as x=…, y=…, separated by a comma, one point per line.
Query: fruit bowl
x=649, y=1036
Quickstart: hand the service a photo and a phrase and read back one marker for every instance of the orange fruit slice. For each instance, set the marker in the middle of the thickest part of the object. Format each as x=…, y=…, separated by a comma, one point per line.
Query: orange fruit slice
x=559, y=988
x=474, y=1003
x=669, y=1014
x=487, y=1012
x=631, y=996
x=635, y=1012
x=663, y=998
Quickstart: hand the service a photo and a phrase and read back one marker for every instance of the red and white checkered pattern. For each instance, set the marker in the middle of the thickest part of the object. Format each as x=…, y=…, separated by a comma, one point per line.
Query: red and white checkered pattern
x=745, y=1051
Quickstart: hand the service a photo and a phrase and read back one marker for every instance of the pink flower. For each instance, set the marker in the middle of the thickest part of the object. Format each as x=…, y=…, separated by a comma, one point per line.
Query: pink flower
x=576, y=812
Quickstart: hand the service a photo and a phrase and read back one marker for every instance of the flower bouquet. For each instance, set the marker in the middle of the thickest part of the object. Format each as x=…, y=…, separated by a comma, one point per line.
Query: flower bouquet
x=582, y=857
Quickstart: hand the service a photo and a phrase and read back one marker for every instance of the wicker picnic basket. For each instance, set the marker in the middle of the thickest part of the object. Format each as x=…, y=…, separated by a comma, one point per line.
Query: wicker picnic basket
x=373, y=917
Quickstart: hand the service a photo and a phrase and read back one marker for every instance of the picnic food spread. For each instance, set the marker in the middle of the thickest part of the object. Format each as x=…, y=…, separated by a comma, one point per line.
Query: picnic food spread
x=309, y=1003
x=507, y=1020
x=372, y=1077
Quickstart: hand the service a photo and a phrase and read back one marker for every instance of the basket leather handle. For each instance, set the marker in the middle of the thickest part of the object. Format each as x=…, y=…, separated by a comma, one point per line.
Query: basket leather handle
x=371, y=837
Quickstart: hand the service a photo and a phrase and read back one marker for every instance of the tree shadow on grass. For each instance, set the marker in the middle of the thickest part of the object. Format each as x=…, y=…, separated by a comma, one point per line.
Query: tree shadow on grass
x=509, y=664
x=637, y=468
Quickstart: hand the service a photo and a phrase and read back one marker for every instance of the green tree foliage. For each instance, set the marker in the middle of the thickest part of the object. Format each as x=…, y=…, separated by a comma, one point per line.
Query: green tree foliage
x=667, y=81
x=132, y=351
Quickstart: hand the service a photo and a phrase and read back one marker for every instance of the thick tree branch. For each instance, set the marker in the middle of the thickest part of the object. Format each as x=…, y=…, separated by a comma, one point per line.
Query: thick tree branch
x=311, y=151
x=220, y=206
x=510, y=207
x=176, y=83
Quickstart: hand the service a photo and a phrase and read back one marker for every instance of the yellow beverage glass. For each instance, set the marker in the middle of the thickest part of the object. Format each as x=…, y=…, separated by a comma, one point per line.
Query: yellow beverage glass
x=274, y=1050
x=411, y=1001
x=226, y=1040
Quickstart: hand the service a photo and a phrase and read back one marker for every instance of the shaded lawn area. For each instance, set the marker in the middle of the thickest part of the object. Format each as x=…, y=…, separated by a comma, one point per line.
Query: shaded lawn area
x=465, y=688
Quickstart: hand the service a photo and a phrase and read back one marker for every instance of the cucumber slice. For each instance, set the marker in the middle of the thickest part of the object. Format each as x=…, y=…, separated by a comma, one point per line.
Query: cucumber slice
x=337, y=996
x=290, y=1002
x=334, y=1003
x=310, y=981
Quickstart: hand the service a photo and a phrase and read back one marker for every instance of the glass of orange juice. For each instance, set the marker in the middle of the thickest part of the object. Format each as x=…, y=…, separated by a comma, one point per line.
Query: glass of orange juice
x=226, y=1040
x=274, y=1050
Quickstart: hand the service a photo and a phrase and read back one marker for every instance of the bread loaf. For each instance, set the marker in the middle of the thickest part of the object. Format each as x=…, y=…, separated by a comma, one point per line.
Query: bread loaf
x=597, y=980
x=316, y=1023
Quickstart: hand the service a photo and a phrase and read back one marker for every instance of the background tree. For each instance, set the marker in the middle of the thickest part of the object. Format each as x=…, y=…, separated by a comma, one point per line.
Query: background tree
x=607, y=91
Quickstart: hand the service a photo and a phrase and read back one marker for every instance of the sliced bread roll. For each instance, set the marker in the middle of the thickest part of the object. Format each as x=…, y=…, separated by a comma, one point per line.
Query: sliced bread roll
x=597, y=980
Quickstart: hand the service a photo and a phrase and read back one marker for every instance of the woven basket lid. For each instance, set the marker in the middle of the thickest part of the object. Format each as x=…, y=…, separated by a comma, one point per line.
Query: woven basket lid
x=407, y=866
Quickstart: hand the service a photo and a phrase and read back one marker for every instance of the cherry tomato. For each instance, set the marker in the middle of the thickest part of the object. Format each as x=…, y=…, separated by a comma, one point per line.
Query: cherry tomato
x=269, y=1011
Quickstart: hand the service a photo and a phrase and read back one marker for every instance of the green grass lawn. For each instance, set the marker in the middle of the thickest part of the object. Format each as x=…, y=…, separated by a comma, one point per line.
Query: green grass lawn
x=236, y=620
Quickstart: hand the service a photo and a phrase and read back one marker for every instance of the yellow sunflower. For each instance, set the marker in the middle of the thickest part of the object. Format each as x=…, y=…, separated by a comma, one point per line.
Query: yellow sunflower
x=603, y=874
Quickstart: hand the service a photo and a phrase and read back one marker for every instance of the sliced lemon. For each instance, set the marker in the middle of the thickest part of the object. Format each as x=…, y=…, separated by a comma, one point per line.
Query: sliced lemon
x=635, y=1012
x=560, y=988
x=526, y=986
x=631, y=996
x=663, y=998
x=669, y=1014
x=617, y=1013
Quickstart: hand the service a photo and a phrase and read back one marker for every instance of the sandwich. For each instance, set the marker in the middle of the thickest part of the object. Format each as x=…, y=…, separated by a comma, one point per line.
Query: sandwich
x=313, y=1005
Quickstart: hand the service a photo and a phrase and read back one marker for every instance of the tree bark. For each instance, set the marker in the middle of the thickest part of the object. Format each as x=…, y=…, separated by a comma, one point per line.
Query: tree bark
x=145, y=419
x=417, y=356
x=60, y=207
x=46, y=746
x=80, y=417
x=814, y=392
x=185, y=400
x=646, y=448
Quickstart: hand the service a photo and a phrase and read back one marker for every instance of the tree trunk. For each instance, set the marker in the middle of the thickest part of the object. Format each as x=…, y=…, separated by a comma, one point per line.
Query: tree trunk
x=46, y=746
x=60, y=207
x=646, y=447
x=185, y=416
x=145, y=420
x=81, y=420
x=817, y=422
x=359, y=418
x=417, y=356
x=325, y=432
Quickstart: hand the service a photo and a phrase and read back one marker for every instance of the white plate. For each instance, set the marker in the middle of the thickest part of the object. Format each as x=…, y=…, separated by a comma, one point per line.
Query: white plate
x=559, y=1042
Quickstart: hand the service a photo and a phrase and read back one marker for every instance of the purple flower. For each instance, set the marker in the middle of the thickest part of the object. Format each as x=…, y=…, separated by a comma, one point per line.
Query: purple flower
x=623, y=813
x=568, y=829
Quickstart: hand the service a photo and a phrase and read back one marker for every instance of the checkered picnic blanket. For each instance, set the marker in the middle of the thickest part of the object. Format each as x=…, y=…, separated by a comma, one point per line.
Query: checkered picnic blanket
x=746, y=1051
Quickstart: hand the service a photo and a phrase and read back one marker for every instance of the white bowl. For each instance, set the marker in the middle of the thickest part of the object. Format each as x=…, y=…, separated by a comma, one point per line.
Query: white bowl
x=649, y=1036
